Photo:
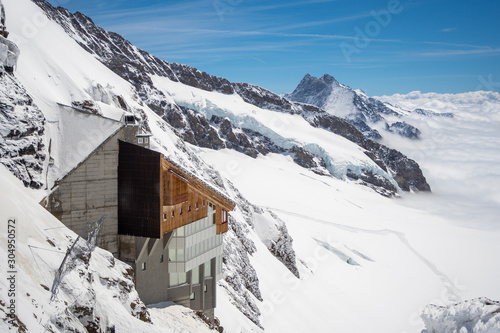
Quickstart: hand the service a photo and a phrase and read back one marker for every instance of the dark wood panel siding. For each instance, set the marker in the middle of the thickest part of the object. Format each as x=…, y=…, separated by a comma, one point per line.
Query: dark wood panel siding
x=139, y=201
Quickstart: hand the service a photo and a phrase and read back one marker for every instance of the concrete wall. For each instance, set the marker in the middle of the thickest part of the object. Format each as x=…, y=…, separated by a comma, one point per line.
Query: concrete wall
x=209, y=297
x=180, y=295
x=152, y=283
x=89, y=192
x=197, y=302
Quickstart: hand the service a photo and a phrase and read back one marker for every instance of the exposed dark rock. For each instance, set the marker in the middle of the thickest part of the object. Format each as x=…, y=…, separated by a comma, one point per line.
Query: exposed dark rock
x=200, y=132
x=366, y=130
x=174, y=115
x=121, y=103
x=237, y=141
x=374, y=181
x=195, y=78
x=282, y=247
x=240, y=275
x=125, y=59
x=22, y=126
x=429, y=113
x=404, y=129
x=212, y=324
x=405, y=171
x=308, y=160
x=263, y=144
x=262, y=98
x=87, y=105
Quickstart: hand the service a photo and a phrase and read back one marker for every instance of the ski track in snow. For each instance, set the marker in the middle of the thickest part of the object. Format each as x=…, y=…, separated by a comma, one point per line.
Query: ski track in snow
x=451, y=289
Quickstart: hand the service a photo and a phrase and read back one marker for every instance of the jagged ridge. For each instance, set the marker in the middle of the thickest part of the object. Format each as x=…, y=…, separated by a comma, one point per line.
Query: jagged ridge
x=134, y=65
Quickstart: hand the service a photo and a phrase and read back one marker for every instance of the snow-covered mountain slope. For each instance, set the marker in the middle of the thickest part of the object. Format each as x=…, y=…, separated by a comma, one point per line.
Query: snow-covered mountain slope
x=359, y=255
x=370, y=116
x=305, y=251
x=209, y=119
x=96, y=292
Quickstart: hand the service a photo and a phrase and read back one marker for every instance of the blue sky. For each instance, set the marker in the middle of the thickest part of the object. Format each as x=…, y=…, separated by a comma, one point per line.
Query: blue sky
x=381, y=47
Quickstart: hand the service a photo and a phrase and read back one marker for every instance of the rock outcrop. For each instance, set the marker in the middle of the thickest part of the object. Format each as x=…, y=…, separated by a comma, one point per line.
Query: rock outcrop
x=22, y=127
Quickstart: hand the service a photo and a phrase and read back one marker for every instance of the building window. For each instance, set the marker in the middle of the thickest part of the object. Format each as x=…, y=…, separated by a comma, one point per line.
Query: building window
x=208, y=269
x=181, y=211
x=192, y=297
x=189, y=208
x=195, y=275
x=140, y=140
x=205, y=289
x=164, y=217
x=174, y=279
x=182, y=278
x=224, y=216
x=146, y=140
x=196, y=206
x=173, y=214
x=203, y=203
x=161, y=258
x=143, y=266
x=172, y=254
x=180, y=254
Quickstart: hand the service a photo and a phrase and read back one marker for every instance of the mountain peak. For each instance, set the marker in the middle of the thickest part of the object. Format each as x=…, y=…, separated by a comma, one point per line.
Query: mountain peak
x=313, y=90
x=327, y=78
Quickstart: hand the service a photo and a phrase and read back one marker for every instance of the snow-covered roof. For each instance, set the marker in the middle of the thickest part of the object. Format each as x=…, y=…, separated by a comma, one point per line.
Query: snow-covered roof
x=201, y=184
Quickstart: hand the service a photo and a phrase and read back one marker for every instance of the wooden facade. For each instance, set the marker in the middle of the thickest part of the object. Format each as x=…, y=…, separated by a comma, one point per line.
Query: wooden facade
x=157, y=196
x=185, y=199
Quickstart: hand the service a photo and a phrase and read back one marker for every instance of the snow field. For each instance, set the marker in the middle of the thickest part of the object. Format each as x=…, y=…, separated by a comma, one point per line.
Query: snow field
x=360, y=255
